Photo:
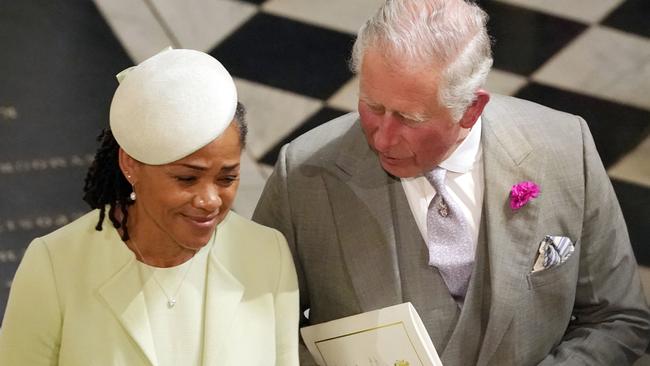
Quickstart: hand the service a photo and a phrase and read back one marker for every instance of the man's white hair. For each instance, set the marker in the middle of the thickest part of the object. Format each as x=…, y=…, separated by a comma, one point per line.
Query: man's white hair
x=448, y=34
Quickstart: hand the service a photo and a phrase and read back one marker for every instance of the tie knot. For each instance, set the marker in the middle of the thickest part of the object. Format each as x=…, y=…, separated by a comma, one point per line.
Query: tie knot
x=436, y=177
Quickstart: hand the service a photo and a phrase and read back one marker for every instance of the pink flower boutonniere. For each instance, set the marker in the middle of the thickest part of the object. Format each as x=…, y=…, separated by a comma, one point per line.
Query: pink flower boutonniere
x=521, y=193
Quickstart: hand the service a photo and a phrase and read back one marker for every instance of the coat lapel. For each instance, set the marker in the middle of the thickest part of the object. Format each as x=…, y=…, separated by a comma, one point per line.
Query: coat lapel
x=125, y=298
x=359, y=194
x=223, y=296
x=508, y=160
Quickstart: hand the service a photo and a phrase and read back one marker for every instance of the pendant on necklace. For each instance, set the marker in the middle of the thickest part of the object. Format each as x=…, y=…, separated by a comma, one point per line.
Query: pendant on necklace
x=171, y=303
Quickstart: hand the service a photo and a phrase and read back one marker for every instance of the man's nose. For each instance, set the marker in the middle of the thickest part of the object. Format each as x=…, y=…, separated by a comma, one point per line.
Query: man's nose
x=385, y=135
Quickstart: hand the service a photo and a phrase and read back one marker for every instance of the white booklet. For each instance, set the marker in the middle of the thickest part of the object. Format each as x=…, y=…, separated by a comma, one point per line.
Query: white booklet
x=393, y=336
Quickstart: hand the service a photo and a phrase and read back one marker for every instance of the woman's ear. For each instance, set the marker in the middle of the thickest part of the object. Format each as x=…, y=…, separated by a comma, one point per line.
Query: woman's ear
x=128, y=166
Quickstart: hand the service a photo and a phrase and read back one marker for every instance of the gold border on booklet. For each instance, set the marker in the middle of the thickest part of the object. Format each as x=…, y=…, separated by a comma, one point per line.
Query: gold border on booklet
x=368, y=330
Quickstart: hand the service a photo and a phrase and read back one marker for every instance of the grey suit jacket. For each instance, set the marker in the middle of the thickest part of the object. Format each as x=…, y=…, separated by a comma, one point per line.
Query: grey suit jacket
x=355, y=243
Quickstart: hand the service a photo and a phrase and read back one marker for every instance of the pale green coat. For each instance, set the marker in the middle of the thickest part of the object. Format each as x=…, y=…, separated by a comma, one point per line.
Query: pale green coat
x=76, y=300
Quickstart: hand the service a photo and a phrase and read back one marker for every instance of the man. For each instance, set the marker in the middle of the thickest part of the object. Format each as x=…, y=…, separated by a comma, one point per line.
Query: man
x=518, y=256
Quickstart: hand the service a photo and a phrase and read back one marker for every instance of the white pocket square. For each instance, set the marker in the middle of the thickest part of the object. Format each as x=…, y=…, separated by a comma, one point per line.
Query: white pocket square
x=553, y=251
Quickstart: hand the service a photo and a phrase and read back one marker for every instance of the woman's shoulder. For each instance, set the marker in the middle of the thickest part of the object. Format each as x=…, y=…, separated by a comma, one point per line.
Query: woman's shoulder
x=82, y=226
x=79, y=236
x=242, y=226
x=256, y=255
x=244, y=234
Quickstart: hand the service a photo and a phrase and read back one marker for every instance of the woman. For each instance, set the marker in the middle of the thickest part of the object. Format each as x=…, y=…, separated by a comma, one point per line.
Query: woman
x=162, y=272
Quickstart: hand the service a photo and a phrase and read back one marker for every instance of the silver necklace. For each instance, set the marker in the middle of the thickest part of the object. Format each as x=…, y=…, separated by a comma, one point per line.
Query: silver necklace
x=171, y=300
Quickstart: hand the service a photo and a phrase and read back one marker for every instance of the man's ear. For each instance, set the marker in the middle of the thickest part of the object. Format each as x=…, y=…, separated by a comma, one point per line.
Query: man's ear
x=128, y=166
x=473, y=112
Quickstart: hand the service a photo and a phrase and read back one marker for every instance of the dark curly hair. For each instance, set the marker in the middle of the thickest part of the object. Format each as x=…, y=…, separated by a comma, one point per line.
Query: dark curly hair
x=106, y=185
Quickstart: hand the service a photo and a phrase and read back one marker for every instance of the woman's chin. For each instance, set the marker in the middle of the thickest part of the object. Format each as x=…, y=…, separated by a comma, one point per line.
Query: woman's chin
x=198, y=242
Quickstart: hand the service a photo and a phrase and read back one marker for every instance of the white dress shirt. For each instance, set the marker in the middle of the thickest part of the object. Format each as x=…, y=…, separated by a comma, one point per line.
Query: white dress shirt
x=464, y=181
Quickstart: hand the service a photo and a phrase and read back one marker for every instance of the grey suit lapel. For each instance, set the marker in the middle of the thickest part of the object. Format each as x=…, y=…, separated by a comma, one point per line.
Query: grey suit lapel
x=360, y=200
x=508, y=159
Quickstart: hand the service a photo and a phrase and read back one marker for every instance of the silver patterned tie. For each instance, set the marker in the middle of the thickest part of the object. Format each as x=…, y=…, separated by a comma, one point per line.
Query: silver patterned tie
x=451, y=248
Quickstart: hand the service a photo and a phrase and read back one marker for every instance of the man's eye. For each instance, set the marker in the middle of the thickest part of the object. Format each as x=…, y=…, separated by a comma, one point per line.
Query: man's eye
x=410, y=120
x=376, y=108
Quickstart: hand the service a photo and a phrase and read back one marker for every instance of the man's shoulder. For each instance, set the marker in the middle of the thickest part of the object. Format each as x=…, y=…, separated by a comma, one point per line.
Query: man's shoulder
x=538, y=123
x=520, y=127
x=515, y=110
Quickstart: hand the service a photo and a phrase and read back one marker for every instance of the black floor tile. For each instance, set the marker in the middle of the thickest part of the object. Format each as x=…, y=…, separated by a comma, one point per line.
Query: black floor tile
x=58, y=63
x=525, y=39
x=635, y=203
x=616, y=128
x=631, y=16
x=317, y=119
x=289, y=55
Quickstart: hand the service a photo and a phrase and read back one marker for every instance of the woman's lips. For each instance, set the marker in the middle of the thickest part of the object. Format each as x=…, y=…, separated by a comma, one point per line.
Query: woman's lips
x=202, y=221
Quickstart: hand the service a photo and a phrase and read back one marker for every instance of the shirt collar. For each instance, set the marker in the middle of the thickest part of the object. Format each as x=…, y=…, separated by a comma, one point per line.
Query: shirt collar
x=463, y=158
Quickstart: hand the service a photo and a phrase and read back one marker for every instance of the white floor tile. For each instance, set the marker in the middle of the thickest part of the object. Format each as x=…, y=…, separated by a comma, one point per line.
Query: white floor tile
x=635, y=166
x=346, y=98
x=503, y=82
x=251, y=185
x=265, y=169
x=138, y=30
x=342, y=15
x=588, y=11
x=201, y=24
x=272, y=114
x=605, y=63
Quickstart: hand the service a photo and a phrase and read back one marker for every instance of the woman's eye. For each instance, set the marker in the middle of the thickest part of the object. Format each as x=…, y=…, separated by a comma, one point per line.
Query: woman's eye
x=185, y=179
x=229, y=179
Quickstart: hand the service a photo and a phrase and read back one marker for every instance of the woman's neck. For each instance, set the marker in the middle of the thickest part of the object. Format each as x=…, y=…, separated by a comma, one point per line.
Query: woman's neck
x=158, y=255
x=152, y=246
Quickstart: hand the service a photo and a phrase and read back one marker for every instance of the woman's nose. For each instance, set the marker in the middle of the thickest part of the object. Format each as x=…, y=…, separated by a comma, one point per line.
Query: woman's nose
x=207, y=199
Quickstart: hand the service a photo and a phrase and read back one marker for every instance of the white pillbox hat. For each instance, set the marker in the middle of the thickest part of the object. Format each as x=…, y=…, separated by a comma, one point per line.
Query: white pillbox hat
x=172, y=105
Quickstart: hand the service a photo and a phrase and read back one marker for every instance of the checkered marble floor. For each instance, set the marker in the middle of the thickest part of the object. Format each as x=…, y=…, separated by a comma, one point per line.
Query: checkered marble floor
x=289, y=59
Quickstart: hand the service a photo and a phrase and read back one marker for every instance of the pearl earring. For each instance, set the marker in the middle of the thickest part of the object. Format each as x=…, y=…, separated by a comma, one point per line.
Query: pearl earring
x=132, y=196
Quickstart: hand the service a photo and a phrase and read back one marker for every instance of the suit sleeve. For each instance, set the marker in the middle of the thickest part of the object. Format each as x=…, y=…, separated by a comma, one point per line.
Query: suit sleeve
x=612, y=321
x=31, y=329
x=286, y=308
x=274, y=210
